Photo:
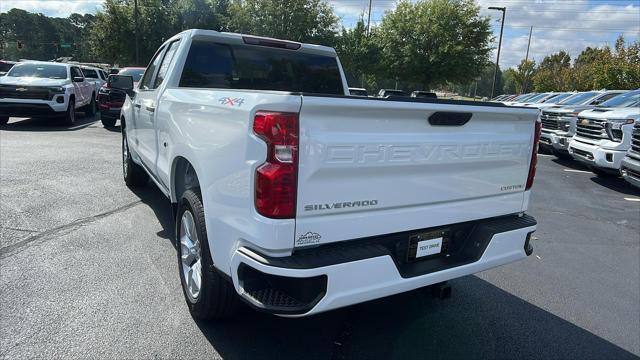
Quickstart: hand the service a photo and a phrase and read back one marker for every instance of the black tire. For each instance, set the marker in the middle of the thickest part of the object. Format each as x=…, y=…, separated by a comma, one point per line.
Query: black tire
x=108, y=122
x=561, y=154
x=602, y=174
x=90, y=109
x=69, y=117
x=4, y=120
x=217, y=297
x=134, y=175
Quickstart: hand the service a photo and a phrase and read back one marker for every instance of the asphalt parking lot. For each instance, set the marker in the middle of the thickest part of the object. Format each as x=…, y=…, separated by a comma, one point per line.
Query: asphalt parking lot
x=88, y=269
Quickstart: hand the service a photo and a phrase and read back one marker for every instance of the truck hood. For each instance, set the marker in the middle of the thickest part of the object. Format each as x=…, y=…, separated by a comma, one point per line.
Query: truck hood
x=611, y=113
x=559, y=109
x=32, y=81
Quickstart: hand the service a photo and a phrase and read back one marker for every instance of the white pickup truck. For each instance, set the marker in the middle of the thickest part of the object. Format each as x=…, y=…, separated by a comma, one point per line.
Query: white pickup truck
x=45, y=89
x=298, y=198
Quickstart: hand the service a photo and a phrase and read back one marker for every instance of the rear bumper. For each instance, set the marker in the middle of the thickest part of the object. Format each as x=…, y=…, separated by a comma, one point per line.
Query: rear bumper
x=630, y=170
x=557, y=141
x=343, y=274
x=594, y=155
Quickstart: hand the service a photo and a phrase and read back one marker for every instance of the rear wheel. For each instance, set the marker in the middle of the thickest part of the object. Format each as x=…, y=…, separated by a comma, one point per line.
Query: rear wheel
x=134, y=174
x=207, y=293
x=69, y=117
x=90, y=109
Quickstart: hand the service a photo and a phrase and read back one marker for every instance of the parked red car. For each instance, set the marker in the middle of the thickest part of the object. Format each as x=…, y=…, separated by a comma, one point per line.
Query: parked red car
x=110, y=100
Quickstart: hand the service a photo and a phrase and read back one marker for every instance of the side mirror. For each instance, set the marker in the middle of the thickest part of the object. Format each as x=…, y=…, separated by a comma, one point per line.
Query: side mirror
x=120, y=82
x=78, y=79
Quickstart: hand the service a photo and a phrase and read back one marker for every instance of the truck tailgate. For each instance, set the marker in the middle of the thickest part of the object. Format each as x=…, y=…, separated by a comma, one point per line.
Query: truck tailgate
x=371, y=167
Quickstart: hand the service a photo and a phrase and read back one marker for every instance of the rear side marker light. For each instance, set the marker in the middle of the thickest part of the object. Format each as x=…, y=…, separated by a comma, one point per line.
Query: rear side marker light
x=276, y=180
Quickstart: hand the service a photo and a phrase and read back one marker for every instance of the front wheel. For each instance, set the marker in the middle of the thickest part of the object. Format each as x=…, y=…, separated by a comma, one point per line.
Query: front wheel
x=69, y=117
x=601, y=173
x=134, y=175
x=207, y=293
x=108, y=122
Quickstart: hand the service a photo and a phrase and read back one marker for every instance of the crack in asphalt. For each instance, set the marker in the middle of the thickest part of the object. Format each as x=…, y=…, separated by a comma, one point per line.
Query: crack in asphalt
x=18, y=229
x=62, y=229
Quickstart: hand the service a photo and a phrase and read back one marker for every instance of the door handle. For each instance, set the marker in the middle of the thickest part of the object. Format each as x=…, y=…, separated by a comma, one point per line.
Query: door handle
x=151, y=109
x=137, y=105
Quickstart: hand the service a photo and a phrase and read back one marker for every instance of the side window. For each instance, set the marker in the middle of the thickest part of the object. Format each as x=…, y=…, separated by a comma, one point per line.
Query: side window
x=145, y=83
x=607, y=97
x=168, y=57
x=75, y=72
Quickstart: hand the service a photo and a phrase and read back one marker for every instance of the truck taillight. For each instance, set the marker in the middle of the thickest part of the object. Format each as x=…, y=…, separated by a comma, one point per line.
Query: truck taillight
x=276, y=180
x=534, y=155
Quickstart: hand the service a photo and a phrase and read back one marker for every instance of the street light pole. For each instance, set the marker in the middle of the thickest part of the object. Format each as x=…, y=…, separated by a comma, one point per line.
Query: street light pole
x=526, y=60
x=135, y=19
x=495, y=72
x=369, y=18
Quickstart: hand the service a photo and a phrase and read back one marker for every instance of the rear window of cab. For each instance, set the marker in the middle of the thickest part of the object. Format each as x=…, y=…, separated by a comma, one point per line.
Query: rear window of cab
x=214, y=65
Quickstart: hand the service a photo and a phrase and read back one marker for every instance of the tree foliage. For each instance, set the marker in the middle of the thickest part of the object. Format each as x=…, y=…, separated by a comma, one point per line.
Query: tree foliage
x=42, y=37
x=432, y=42
x=297, y=20
x=427, y=44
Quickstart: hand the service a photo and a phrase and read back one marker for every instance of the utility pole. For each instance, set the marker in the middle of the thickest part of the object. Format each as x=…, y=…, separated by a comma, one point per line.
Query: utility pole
x=495, y=72
x=135, y=19
x=526, y=59
x=369, y=18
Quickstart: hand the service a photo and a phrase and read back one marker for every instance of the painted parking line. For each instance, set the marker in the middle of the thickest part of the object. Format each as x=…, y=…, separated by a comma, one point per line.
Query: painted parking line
x=544, y=155
x=578, y=171
x=634, y=199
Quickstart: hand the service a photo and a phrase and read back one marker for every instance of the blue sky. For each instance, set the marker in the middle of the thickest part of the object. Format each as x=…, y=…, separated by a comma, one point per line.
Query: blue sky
x=569, y=25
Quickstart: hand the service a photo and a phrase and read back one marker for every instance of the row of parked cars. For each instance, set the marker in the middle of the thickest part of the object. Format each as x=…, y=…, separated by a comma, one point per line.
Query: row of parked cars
x=598, y=128
x=387, y=93
x=57, y=90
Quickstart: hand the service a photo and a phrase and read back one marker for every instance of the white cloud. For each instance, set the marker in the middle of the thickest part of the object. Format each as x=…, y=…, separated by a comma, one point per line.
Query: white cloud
x=569, y=25
x=53, y=8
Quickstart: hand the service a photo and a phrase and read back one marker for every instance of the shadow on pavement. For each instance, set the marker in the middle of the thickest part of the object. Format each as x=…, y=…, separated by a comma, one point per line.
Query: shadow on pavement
x=481, y=321
x=570, y=163
x=616, y=184
x=48, y=124
x=161, y=206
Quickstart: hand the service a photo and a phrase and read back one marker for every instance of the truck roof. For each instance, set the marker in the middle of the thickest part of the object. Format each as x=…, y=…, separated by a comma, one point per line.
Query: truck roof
x=237, y=38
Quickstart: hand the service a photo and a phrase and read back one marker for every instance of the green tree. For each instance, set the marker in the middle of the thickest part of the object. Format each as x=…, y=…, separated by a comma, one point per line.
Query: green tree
x=298, y=20
x=432, y=42
x=359, y=54
x=509, y=82
x=553, y=73
x=522, y=76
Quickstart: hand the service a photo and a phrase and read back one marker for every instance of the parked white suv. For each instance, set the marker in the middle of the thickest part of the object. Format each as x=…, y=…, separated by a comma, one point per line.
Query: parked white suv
x=45, y=89
x=559, y=121
x=94, y=75
x=603, y=137
x=298, y=198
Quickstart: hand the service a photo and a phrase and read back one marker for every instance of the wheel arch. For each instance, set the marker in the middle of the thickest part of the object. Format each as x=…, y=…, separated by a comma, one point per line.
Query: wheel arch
x=184, y=176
